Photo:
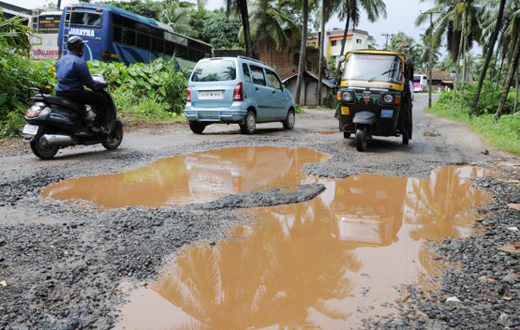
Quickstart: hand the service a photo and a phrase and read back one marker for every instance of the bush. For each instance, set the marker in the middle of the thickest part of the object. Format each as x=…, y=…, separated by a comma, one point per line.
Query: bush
x=488, y=101
x=503, y=133
x=155, y=90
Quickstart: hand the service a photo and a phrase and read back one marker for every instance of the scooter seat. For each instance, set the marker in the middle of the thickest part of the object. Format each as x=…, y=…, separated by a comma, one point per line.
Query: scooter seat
x=65, y=102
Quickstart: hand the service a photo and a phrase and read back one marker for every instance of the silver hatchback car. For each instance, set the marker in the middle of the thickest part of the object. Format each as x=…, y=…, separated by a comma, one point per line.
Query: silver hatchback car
x=237, y=90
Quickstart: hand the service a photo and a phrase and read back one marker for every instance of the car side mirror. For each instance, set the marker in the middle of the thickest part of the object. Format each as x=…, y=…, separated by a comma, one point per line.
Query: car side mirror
x=341, y=59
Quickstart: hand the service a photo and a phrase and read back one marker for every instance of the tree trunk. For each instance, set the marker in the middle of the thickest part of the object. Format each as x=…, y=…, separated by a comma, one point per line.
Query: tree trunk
x=499, y=77
x=464, y=57
x=344, y=42
x=516, y=91
x=322, y=46
x=303, y=51
x=457, y=67
x=491, y=48
x=270, y=50
x=509, y=79
x=242, y=4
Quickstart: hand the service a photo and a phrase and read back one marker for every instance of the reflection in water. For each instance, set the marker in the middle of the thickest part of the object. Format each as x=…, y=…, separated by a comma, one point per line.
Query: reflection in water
x=197, y=177
x=313, y=265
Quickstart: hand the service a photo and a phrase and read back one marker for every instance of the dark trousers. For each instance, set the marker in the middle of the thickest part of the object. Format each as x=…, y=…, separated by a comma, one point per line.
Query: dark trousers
x=84, y=97
x=96, y=100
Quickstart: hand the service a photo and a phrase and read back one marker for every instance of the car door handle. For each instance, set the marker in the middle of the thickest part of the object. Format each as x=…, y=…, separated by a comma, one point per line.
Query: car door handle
x=257, y=89
x=274, y=92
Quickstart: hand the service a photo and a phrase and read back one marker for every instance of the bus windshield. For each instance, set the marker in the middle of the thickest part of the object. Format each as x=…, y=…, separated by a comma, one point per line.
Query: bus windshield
x=373, y=67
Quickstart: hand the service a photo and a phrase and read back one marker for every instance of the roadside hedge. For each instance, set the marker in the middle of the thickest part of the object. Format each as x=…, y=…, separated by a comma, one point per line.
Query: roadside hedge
x=156, y=90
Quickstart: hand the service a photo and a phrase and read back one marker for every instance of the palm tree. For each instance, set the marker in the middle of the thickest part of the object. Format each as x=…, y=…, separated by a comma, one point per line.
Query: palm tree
x=350, y=10
x=240, y=6
x=178, y=18
x=268, y=20
x=459, y=22
x=303, y=50
x=490, y=50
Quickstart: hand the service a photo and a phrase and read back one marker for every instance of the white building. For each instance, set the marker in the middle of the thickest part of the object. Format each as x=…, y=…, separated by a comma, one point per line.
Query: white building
x=356, y=39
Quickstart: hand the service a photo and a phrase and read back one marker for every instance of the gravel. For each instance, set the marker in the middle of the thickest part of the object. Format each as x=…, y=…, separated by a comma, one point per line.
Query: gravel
x=64, y=262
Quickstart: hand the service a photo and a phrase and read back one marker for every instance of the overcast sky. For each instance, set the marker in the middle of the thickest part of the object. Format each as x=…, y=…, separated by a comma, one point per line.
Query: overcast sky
x=401, y=16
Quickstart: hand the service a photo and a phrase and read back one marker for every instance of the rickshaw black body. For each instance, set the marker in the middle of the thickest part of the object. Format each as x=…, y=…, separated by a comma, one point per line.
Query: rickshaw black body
x=368, y=107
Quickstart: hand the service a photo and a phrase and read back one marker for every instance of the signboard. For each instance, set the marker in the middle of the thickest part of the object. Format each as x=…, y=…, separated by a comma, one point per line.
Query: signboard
x=44, y=47
x=48, y=24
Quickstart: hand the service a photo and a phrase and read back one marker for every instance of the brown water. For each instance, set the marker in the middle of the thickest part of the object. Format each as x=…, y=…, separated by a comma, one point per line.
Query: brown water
x=328, y=132
x=188, y=178
x=322, y=264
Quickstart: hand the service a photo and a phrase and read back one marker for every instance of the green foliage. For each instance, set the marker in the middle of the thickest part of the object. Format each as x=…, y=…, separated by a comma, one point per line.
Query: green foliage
x=221, y=31
x=157, y=82
x=489, y=98
x=155, y=90
x=18, y=75
x=13, y=34
x=147, y=8
x=503, y=133
x=332, y=65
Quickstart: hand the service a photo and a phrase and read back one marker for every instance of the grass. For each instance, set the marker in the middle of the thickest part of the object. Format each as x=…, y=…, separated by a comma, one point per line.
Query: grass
x=503, y=134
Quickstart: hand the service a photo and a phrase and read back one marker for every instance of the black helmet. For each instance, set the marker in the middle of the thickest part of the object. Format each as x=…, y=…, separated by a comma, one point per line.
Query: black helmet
x=74, y=42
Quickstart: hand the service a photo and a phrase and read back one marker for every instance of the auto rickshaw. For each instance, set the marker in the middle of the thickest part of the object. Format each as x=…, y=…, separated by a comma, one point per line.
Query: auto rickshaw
x=374, y=97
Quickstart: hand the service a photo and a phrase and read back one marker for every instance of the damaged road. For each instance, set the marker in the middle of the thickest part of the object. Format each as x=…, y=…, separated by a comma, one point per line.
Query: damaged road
x=63, y=262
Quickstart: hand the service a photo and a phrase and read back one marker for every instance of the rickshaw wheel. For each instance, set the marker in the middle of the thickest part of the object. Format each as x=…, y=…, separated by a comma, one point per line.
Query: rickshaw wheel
x=361, y=138
x=406, y=140
x=346, y=135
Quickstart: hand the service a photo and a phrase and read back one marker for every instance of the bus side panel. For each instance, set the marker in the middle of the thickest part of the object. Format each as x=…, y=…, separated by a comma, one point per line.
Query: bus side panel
x=60, y=32
x=106, y=36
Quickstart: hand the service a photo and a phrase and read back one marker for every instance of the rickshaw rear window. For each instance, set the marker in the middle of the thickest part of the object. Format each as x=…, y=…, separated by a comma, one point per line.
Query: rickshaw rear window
x=370, y=67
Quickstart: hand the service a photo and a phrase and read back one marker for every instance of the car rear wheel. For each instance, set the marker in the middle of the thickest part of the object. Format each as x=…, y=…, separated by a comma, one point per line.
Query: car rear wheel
x=197, y=128
x=289, y=122
x=249, y=125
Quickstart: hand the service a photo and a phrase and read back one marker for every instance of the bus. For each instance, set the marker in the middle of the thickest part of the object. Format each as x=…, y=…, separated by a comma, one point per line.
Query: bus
x=420, y=83
x=113, y=34
x=44, y=40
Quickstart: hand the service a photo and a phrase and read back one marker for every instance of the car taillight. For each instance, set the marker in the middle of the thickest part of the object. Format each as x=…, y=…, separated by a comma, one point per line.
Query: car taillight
x=188, y=94
x=238, y=93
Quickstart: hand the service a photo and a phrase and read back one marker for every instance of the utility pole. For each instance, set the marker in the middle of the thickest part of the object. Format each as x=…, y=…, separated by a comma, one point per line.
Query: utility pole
x=59, y=4
x=430, y=69
x=387, y=35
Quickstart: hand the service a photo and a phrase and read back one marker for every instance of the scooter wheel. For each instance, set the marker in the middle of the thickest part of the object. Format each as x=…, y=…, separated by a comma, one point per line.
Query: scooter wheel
x=41, y=151
x=115, y=138
x=361, y=138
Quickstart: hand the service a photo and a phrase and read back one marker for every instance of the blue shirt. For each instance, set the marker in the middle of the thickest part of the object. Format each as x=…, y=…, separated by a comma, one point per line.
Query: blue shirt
x=72, y=73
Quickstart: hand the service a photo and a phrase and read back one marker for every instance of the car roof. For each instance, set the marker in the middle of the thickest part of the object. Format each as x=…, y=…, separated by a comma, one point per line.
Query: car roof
x=240, y=58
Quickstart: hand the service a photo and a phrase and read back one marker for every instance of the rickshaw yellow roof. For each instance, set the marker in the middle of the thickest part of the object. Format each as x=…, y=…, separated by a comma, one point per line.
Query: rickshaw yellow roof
x=375, y=52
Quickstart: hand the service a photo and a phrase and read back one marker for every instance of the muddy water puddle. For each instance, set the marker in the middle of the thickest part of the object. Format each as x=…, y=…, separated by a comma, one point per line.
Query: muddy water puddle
x=188, y=178
x=323, y=264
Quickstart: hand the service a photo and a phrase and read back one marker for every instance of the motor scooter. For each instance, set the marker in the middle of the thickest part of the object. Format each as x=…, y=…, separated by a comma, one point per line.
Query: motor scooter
x=55, y=122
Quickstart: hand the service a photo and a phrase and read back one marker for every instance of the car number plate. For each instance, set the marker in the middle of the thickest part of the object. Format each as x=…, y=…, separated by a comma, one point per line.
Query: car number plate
x=211, y=95
x=387, y=113
x=30, y=129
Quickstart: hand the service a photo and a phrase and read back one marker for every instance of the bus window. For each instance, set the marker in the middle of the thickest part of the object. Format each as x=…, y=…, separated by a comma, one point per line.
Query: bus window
x=157, y=45
x=86, y=19
x=116, y=34
x=143, y=41
x=129, y=37
x=170, y=48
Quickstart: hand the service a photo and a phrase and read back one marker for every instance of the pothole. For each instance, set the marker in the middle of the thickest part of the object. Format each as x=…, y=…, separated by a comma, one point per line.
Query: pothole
x=322, y=264
x=198, y=177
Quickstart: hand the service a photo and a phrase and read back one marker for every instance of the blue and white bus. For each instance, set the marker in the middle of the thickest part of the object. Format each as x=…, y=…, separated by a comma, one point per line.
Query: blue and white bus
x=115, y=34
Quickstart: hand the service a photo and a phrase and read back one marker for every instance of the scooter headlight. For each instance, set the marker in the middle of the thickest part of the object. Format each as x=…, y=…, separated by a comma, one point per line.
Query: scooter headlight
x=347, y=96
x=388, y=98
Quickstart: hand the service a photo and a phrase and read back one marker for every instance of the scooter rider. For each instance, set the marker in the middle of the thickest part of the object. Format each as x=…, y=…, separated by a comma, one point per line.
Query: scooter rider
x=72, y=73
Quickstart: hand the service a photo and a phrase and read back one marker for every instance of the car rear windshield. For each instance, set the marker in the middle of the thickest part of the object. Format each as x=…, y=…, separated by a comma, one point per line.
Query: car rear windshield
x=215, y=70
